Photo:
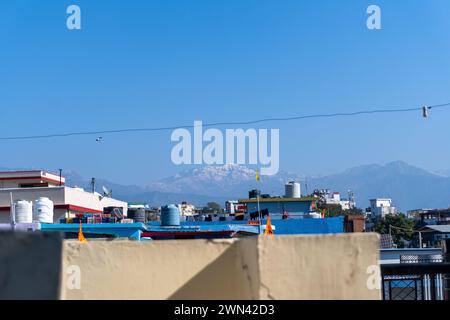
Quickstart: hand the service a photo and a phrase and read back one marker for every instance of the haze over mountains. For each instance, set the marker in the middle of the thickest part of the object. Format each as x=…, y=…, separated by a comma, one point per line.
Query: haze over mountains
x=410, y=187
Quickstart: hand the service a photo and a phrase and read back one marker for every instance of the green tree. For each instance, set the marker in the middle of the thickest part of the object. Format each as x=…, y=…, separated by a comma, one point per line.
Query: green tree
x=400, y=226
x=214, y=205
x=333, y=210
x=353, y=211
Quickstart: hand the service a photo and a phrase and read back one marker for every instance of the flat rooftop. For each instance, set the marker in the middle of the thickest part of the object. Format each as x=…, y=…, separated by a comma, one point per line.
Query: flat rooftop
x=31, y=175
x=278, y=199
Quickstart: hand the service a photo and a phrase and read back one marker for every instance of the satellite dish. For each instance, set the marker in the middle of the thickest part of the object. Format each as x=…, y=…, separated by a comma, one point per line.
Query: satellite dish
x=106, y=192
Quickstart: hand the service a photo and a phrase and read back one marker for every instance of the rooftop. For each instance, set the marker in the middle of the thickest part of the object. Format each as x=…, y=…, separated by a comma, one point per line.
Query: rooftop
x=438, y=228
x=31, y=175
x=280, y=199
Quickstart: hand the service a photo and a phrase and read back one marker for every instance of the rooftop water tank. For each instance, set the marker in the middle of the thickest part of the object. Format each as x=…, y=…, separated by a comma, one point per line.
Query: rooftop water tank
x=137, y=214
x=292, y=190
x=170, y=215
x=43, y=210
x=23, y=211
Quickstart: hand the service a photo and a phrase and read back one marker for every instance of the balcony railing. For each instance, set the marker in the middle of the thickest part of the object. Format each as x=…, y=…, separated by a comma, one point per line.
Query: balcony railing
x=416, y=281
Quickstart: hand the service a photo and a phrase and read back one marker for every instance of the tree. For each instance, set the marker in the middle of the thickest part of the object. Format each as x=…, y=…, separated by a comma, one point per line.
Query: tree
x=214, y=205
x=333, y=210
x=400, y=226
x=356, y=211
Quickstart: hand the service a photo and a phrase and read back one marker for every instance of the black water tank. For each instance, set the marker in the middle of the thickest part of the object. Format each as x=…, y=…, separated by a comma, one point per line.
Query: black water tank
x=137, y=214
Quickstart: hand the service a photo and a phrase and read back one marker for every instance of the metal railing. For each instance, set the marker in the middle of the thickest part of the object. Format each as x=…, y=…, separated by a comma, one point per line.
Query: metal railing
x=416, y=281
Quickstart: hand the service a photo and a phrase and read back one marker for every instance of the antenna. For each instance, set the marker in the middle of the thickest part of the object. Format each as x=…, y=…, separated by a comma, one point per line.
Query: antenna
x=93, y=185
x=351, y=199
x=106, y=192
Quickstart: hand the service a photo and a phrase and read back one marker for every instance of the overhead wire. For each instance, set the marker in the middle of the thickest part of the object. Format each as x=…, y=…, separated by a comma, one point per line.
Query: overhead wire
x=233, y=123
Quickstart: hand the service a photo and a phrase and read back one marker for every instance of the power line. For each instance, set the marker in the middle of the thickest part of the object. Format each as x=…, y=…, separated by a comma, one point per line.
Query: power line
x=312, y=116
x=409, y=230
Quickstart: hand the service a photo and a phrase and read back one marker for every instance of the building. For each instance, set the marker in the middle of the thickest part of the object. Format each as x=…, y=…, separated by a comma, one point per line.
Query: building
x=354, y=223
x=432, y=216
x=380, y=207
x=277, y=206
x=435, y=235
x=233, y=207
x=416, y=213
x=29, y=179
x=334, y=198
x=31, y=185
x=186, y=209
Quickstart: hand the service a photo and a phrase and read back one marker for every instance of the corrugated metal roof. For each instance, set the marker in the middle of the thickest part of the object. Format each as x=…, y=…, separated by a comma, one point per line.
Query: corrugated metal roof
x=438, y=228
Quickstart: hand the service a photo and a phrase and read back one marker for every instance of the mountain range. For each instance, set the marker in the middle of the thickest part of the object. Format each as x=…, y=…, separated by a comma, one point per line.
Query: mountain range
x=410, y=187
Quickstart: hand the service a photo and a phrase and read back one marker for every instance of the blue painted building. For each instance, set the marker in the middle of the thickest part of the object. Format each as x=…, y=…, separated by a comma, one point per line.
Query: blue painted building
x=294, y=207
x=282, y=227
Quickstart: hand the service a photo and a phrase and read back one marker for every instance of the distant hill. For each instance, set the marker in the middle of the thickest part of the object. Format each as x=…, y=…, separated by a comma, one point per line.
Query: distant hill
x=409, y=187
x=135, y=193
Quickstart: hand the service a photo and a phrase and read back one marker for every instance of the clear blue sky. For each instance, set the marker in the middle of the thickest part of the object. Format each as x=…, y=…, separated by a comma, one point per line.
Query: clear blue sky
x=159, y=63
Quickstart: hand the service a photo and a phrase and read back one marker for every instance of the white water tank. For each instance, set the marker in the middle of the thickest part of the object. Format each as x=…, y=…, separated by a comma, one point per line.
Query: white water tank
x=43, y=210
x=292, y=190
x=23, y=211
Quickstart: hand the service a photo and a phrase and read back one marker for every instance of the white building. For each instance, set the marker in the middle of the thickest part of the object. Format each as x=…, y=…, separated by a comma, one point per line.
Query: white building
x=233, y=206
x=335, y=198
x=380, y=207
x=186, y=209
x=346, y=204
x=31, y=185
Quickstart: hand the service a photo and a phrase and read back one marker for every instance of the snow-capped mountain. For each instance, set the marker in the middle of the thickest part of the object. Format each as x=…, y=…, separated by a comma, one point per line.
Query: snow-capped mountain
x=409, y=187
x=226, y=180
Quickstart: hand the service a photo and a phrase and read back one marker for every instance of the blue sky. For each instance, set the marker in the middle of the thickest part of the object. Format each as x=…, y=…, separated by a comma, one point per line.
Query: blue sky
x=161, y=63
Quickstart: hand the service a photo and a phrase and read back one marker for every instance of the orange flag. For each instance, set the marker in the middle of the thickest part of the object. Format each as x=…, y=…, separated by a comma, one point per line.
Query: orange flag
x=269, y=230
x=81, y=237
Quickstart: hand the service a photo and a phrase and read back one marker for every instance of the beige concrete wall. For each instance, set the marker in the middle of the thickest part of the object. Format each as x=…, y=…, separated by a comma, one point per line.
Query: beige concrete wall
x=317, y=267
x=282, y=267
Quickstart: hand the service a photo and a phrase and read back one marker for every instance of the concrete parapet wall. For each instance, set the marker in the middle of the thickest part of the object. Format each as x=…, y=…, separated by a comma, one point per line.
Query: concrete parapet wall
x=280, y=267
x=283, y=267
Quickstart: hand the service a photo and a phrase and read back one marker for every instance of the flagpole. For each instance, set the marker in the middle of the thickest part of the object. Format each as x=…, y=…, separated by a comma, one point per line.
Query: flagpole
x=259, y=213
x=257, y=201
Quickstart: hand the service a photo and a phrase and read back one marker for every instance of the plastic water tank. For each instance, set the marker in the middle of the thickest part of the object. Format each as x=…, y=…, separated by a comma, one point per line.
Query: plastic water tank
x=43, y=210
x=137, y=214
x=292, y=190
x=170, y=215
x=23, y=211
